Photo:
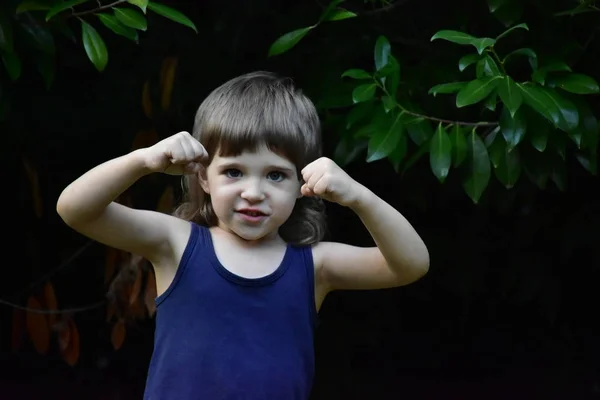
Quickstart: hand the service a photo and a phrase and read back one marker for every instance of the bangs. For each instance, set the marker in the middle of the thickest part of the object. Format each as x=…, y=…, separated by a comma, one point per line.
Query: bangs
x=259, y=111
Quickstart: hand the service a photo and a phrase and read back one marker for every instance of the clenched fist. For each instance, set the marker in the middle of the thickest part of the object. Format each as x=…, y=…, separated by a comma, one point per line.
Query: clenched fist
x=324, y=178
x=179, y=154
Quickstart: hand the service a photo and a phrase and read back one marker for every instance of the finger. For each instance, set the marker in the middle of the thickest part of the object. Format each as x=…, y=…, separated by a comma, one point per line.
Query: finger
x=321, y=187
x=199, y=151
x=191, y=168
x=188, y=148
x=305, y=190
x=176, y=152
x=312, y=181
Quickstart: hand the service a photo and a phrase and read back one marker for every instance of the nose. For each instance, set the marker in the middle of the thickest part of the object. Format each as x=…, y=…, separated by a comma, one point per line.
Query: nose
x=252, y=191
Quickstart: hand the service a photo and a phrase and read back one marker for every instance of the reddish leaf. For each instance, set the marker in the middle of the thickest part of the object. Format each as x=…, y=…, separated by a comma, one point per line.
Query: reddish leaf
x=110, y=264
x=150, y=292
x=64, y=336
x=50, y=303
x=111, y=310
x=137, y=286
x=34, y=185
x=166, y=202
x=144, y=138
x=167, y=78
x=146, y=100
x=37, y=327
x=71, y=352
x=118, y=333
x=17, y=329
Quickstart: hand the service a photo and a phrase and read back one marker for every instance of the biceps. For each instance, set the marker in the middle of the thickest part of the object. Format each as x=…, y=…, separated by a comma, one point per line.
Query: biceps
x=357, y=268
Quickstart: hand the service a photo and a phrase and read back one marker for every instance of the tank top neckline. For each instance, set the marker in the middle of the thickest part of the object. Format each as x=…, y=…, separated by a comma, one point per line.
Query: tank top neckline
x=240, y=280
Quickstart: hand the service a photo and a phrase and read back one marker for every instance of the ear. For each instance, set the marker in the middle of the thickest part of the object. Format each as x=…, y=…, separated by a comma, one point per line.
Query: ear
x=203, y=179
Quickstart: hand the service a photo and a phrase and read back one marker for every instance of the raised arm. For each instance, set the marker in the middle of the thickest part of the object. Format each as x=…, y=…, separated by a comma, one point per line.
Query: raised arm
x=87, y=205
x=400, y=257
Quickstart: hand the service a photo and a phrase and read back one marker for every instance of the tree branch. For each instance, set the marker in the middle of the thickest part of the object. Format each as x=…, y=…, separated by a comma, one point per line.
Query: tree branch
x=447, y=121
x=46, y=311
x=95, y=10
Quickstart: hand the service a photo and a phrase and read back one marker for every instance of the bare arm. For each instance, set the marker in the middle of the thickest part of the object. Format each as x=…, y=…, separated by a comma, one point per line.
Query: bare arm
x=87, y=205
x=400, y=256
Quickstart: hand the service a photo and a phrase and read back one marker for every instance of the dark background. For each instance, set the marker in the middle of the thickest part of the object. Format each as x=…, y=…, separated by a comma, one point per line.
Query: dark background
x=508, y=309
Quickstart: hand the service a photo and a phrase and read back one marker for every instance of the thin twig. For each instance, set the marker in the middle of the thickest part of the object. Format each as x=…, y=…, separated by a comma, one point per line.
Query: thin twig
x=95, y=10
x=63, y=311
x=447, y=121
x=387, y=8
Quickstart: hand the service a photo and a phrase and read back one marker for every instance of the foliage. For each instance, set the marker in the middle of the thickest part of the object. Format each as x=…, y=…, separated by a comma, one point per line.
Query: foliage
x=28, y=30
x=538, y=122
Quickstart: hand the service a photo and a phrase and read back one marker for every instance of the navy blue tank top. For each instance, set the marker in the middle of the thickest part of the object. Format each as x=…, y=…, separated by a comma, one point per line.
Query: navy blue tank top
x=221, y=336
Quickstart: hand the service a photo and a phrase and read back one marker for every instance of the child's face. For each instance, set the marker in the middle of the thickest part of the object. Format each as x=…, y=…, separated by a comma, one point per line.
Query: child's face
x=252, y=194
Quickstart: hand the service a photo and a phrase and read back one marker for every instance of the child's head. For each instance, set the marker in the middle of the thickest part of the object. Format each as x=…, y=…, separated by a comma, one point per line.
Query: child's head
x=259, y=112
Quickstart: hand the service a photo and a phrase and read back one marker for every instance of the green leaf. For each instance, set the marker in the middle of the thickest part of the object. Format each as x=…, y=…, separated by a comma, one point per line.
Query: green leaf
x=60, y=7
x=510, y=13
x=131, y=18
x=496, y=146
x=476, y=90
x=506, y=32
x=142, y=4
x=112, y=23
x=356, y=73
x=509, y=168
x=6, y=33
x=459, y=145
x=416, y=156
x=569, y=116
x=46, y=66
x=487, y=67
x=171, y=14
x=586, y=133
x=483, y=43
x=454, y=37
x=359, y=112
x=467, y=60
x=32, y=6
x=382, y=52
x=510, y=94
x=419, y=130
x=559, y=174
x=512, y=128
x=479, y=170
x=577, y=83
x=340, y=14
x=383, y=142
x=328, y=10
x=539, y=76
x=388, y=103
x=364, y=92
x=12, y=63
x=440, y=154
x=535, y=97
x=533, y=58
x=589, y=161
x=538, y=131
x=347, y=150
x=491, y=101
x=446, y=88
x=288, y=40
x=399, y=153
x=94, y=46
x=38, y=36
x=494, y=5
x=391, y=79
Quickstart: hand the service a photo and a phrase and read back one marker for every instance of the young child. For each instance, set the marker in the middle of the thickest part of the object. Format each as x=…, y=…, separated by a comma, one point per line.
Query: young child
x=240, y=267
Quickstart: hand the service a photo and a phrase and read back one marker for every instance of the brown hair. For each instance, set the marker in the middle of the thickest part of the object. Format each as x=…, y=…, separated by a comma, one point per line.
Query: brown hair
x=252, y=110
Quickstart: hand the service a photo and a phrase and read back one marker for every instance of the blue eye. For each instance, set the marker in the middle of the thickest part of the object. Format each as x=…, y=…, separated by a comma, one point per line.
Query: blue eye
x=232, y=173
x=276, y=176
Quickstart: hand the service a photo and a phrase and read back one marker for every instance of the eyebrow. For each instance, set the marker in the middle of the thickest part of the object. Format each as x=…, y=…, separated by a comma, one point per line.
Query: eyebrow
x=234, y=164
